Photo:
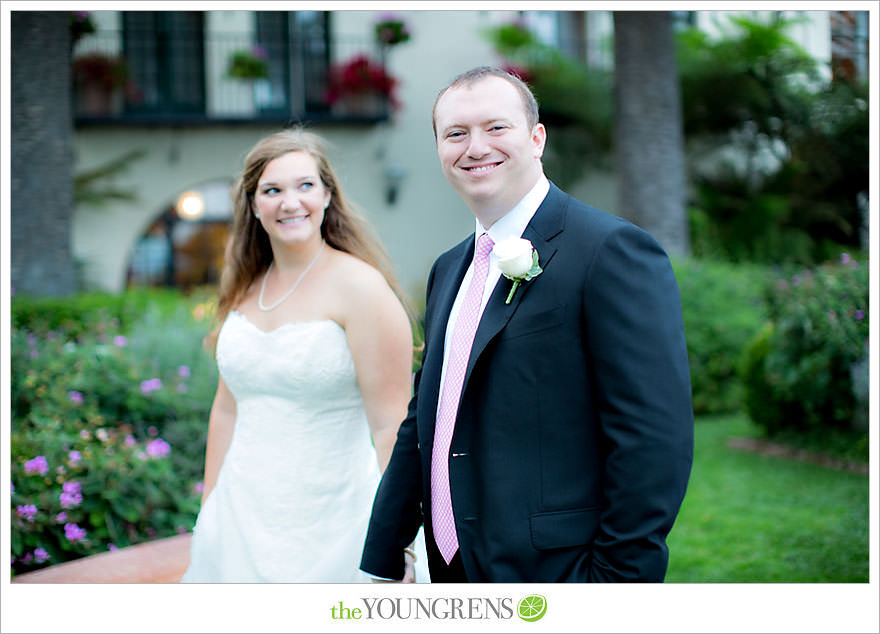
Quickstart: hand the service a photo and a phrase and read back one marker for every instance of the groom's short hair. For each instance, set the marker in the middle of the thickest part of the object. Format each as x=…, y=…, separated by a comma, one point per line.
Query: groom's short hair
x=467, y=78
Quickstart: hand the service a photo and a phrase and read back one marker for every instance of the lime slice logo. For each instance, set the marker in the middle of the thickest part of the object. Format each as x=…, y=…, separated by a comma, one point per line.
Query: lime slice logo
x=532, y=607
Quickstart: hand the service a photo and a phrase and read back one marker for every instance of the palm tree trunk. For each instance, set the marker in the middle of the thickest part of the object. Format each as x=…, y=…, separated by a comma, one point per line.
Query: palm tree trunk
x=41, y=152
x=648, y=127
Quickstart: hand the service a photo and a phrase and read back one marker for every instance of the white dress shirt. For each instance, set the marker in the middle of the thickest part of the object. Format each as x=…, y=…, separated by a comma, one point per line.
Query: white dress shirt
x=510, y=225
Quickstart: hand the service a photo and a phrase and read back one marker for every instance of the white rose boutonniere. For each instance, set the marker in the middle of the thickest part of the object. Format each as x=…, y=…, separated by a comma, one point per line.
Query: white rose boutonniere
x=518, y=261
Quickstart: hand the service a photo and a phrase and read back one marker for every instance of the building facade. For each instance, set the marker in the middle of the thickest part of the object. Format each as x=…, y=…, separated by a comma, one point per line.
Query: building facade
x=200, y=88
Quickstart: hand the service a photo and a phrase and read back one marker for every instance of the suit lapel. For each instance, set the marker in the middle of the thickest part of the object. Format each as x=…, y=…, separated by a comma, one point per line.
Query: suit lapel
x=548, y=221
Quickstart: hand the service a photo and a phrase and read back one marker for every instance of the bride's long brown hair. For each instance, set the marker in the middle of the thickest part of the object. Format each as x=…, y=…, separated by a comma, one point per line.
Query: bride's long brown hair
x=248, y=250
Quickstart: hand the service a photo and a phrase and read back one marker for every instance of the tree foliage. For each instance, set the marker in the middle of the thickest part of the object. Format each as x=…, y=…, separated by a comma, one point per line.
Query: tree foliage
x=779, y=153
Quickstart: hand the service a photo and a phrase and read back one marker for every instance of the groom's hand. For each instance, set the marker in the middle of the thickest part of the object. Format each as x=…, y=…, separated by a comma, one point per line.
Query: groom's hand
x=409, y=566
x=409, y=570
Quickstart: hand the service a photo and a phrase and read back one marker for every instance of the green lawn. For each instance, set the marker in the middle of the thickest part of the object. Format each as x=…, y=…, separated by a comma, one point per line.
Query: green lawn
x=753, y=518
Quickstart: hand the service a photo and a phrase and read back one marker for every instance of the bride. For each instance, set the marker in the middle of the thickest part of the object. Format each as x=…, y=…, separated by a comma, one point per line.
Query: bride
x=314, y=350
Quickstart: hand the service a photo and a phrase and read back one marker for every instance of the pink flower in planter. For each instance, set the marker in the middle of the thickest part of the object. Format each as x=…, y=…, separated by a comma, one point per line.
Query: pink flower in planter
x=26, y=511
x=71, y=495
x=38, y=465
x=158, y=448
x=150, y=385
x=40, y=555
x=74, y=533
x=61, y=517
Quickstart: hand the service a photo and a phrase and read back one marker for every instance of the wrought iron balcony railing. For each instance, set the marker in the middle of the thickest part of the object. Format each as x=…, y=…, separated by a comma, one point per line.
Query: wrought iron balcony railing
x=123, y=77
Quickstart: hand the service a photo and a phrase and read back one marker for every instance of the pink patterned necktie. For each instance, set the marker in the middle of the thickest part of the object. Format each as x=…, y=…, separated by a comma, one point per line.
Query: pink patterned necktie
x=456, y=365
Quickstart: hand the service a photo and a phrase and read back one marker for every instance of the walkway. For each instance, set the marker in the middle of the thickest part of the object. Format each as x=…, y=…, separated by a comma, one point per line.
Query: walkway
x=158, y=561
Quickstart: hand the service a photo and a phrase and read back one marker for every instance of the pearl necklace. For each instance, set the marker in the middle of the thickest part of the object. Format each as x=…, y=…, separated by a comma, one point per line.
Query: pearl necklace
x=292, y=288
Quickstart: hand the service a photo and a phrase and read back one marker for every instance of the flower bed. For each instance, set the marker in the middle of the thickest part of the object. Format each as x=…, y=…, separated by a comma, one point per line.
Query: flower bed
x=107, y=438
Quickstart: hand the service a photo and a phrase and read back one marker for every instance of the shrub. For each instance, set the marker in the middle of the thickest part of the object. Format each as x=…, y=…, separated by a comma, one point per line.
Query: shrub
x=108, y=432
x=722, y=307
x=94, y=313
x=805, y=373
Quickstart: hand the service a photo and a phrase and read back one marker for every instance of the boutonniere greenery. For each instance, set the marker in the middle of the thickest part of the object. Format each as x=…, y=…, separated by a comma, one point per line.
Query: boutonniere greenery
x=518, y=261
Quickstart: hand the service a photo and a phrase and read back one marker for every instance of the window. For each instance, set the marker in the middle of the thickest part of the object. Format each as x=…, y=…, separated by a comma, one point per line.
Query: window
x=296, y=43
x=165, y=53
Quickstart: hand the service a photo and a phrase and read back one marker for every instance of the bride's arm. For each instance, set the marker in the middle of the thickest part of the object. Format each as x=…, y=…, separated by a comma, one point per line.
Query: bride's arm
x=380, y=338
x=222, y=421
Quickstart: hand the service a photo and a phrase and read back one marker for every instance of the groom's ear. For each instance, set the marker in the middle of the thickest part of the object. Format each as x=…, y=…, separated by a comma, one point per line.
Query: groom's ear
x=539, y=139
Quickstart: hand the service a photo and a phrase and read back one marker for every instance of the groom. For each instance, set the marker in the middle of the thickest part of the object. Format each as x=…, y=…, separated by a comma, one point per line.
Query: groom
x=550, y=438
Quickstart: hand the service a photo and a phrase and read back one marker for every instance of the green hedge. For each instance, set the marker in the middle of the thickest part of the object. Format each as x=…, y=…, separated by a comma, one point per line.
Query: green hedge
x=91, y=313
x=807, y=371
x=723, y=309
x=109, y=421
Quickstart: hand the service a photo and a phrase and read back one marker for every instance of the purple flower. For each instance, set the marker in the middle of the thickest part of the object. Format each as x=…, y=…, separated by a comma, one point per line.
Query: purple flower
x=61, y=517
x=112, y=547
x=31, y=340
x=150, y=385
x=70, y=500
x=844, y=258
x=40, y=555
x=120, y=341
x=199, y=487
x=11, y=487
x=130, y=441
x=860, y=315
x=71, y=487
x=158, y=448
x=75, y=397
x=183, y=371
x=85, y=434
x=74, y=533
x=26, y=511
x=37, y=465
x=142, y=456
x=152, y=431
x=27, y=558
x=74, y=457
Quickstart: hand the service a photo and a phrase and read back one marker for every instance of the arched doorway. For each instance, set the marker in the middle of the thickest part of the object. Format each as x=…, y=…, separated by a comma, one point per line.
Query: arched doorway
x=183, y=246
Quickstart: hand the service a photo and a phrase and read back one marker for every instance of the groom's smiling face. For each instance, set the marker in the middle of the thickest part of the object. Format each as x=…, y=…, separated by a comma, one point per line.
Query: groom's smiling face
x=487, y=150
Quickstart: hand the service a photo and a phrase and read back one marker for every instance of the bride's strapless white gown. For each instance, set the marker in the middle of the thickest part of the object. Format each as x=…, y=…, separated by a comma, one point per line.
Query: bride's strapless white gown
x=294, y=494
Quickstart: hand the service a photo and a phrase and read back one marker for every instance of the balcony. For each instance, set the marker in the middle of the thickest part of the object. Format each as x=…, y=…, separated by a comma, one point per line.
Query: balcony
x=132, y=77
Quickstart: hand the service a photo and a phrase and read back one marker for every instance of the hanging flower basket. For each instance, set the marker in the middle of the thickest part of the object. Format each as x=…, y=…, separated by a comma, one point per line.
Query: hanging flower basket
x=361, y=86
x=99, y=79
x=391, y=30
x=252, y=64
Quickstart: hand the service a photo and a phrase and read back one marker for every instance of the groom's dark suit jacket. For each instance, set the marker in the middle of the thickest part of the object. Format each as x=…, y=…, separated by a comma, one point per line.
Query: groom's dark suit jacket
x=574, y=439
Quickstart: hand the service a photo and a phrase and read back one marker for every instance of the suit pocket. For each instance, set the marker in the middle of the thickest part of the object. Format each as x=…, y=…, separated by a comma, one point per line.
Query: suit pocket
x=522, y=324
x=563, y=529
